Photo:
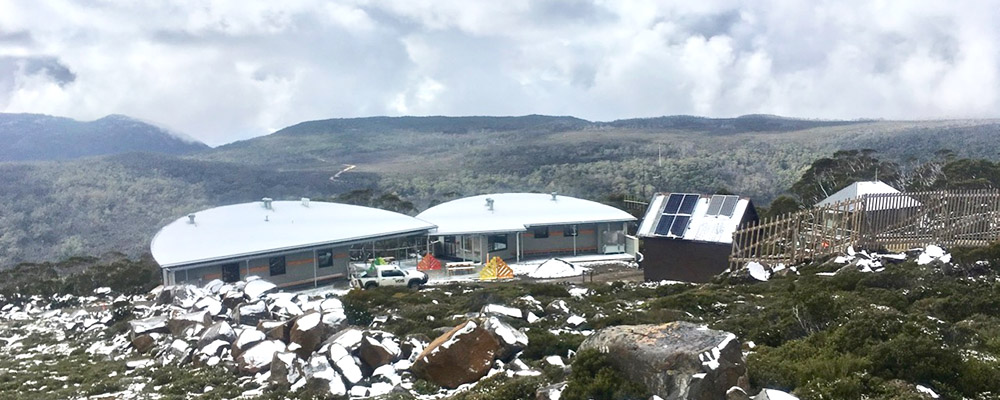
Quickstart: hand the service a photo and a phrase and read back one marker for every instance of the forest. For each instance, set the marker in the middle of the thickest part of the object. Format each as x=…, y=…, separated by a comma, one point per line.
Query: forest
x=51, y=210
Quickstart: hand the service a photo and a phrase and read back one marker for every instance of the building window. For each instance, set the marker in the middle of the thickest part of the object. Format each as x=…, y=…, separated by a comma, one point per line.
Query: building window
x=277, y=265
x=570, y=230
x=540, y=232
x=498, y=242
x=231, y=272
x=324, y=258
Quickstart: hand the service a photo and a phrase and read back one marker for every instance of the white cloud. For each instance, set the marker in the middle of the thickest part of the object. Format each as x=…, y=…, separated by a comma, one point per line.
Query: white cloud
x=227, y=70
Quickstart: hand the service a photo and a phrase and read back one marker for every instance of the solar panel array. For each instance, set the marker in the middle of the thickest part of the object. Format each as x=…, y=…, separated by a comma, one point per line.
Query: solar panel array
x=677, y=212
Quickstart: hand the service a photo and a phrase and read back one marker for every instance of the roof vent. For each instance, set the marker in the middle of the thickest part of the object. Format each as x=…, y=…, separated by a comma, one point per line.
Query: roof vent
x=267, y=202
x=489, y=204
x=305, y=202
x=190, y=218
x=554, y=194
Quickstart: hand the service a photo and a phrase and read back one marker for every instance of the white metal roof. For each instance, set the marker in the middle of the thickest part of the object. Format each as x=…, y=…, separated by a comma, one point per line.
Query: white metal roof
x=701, y=226
x=250, y=229
x=858, y=189
x=514, y=212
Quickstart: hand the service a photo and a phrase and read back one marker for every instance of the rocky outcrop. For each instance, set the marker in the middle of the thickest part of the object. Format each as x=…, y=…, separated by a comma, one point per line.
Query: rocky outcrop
x=677, y=360
x=460, y=356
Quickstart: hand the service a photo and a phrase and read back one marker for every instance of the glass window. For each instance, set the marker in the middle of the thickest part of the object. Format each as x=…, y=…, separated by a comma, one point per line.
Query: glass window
x=498, y=242
x=570, y=230
x=231, y=272
x=540, y=232
x=277, y=265
x=324, y=258
x=392, y=273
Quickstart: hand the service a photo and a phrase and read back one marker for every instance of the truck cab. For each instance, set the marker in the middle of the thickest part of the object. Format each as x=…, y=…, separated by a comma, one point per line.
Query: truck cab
x=387, y=275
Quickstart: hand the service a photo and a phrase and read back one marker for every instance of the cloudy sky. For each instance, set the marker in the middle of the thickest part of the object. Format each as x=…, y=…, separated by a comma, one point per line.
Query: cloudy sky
x=228, y=70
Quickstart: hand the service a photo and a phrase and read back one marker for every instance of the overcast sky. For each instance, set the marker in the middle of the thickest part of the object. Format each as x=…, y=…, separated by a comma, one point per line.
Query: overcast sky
x=227, y=70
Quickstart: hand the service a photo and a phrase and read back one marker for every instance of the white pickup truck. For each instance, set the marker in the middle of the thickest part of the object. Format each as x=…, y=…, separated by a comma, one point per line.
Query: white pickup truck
x=388, y=275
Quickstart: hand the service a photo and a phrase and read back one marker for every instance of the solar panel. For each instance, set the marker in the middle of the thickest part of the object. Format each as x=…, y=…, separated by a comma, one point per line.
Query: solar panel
x=687, y=206
x=715, y=205
x=673, y=203
x=680, y=225
x=729, y=205
x=663, y=228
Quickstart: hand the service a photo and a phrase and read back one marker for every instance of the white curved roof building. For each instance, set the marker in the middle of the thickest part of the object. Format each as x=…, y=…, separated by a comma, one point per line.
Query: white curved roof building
x=516, y=225
x=514, y=212
x=262, y=230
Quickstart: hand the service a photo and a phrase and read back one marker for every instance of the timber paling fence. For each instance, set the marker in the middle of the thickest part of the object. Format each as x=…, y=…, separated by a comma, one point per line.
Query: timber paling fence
x=892, y=222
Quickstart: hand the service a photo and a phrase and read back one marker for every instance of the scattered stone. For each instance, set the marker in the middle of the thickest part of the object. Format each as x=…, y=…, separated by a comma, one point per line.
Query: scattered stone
x=258, y=357
x=460, y=356
x=678, y=360
x=218, y=331
x=308, y=333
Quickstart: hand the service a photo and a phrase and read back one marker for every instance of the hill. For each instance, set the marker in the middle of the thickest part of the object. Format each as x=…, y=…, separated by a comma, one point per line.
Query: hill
x=51, y=210
x=28, y=137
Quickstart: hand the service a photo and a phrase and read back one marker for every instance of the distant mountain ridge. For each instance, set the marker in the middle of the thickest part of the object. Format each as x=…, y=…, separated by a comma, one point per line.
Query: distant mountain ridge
x=36, y=137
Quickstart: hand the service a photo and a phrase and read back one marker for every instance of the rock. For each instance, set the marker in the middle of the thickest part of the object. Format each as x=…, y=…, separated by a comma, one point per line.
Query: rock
x=143, y=343
x=737, y=393
x=276, y=330
x=502, y=311
x=550, y=392
x=184, y=296
x=771, y=394
x=460, y=356
x=373, y=354
x=344, y=363
x=678, y=360
x=258, y=357
x=251, y=313
x=232, y=298
x=285, y=368
x=218, y=331
x=557, y=307
x=214, y=348
x=213, y=286
x=179, y=353
x=511, y=340
x=283, y=308
x=258, y=288
x=349, y=338
x=308, y=333
x=323, y=377
x=211, y=305
x=245, y=340
x=156, y=324
x=178, y=323
x=413, y=345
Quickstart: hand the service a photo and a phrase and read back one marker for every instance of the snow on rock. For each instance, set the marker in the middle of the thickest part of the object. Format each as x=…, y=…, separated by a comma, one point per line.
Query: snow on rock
x=758, y=272
x=555, y=360
x=772, y=394
x=928, y=391
x=556, y=268
x=933, y=253
x=214, y=348
x=532, y=317
x=257, y=288
x=319, y=368
x=575, y=320
x=259, y=356
x=578, y=292
x=344, y=362
x=210, y=304
x=496, y=309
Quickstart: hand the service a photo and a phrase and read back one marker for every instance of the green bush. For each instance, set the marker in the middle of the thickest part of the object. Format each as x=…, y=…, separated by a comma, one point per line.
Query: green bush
x=593, y=377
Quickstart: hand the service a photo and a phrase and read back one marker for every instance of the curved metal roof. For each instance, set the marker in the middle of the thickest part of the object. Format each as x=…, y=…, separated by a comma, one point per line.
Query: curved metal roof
x=515, y=212
x=248, y=229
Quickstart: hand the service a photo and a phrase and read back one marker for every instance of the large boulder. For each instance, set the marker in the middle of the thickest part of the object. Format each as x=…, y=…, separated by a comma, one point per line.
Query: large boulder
x=218, y=331
x=511, y=340
x=251, y=313
x=259, y=357
x=677, y=360
x=460, y=356
x=180, y=322
x=276, y=330
x=373, y=353
x=247, y=339
x=308, y=332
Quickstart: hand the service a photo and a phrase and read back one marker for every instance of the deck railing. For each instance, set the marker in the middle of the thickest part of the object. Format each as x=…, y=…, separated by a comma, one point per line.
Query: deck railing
x=894, y=222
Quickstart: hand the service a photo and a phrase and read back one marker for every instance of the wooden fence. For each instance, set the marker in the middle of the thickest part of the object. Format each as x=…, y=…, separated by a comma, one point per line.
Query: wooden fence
x=894, y=222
